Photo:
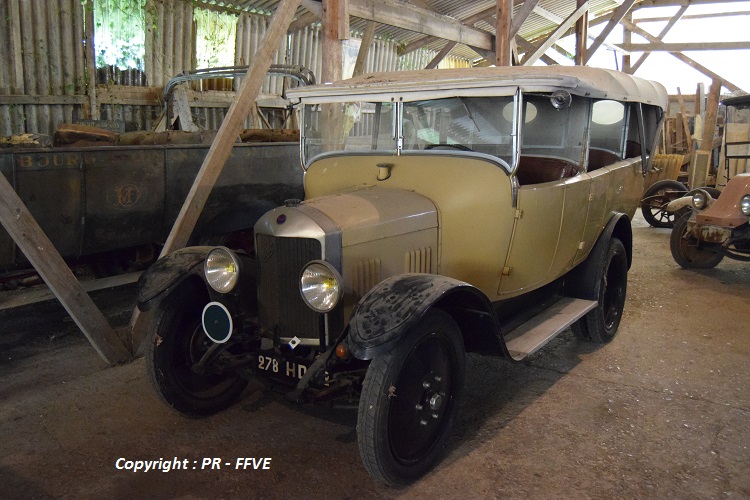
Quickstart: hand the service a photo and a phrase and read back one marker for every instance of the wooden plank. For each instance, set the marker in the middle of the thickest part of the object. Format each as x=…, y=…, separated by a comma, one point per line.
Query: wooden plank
x=332, y=36
x=440, y=55
x=20, y=224
x=661, y=36
x=556, y=34
x=364, y=48
x=221, y=148
x=707, y=15
x=17, y=100
x=503, y=13
x=43, y=293
x=712, y=108
x=613, y=21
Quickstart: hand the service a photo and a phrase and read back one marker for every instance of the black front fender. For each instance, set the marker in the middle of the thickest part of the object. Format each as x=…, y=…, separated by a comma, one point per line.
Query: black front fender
x=396, y=304
x=168, y=272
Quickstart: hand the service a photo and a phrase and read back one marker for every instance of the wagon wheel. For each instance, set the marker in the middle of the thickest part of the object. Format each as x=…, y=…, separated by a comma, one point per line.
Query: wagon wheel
x=655, y=200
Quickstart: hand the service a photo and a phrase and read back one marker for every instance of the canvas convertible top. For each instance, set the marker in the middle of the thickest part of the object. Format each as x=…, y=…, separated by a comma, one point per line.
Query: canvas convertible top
x=429, y=84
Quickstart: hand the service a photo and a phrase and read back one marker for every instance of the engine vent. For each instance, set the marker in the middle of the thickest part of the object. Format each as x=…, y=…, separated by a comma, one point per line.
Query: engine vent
x=366, y=274
x=418, y=261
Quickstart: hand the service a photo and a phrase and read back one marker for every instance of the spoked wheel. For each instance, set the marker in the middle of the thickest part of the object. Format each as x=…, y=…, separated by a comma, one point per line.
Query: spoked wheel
x=409, y=401
x=655, y=200
x=687, y=251
x=176, y=344
x=610, y=285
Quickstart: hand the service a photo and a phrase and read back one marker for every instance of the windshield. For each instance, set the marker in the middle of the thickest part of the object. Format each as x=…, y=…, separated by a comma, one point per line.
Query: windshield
x=480, y=125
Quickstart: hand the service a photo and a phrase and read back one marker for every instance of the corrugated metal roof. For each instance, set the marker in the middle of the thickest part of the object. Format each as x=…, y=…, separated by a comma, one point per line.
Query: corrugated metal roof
x=534, y=27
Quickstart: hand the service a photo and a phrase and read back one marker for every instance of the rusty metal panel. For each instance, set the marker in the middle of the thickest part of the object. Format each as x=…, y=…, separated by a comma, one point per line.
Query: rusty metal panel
x=50, y=184
x=255, y=178
x=123, y=197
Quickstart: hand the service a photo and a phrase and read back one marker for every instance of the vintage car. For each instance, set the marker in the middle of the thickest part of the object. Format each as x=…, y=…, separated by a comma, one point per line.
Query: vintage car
x=445, y=212
x=707, y=229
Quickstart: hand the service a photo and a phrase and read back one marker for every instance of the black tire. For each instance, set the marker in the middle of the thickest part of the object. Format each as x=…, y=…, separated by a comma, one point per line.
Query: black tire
x=175, y=342
x=686, y=250
x=609, y=285
x=655, y=200
x=409, y=401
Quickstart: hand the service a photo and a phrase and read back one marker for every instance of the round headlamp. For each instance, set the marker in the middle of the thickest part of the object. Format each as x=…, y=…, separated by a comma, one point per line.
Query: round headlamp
x=222, y=269
x=320, y=286
x=700, y=200
x=745, y=204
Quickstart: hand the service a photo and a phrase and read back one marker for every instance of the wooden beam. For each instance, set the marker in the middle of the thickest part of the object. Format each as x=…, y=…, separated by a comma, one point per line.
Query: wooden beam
x=221, y=148
x=614, y=20
x=520, y=17
x=690, y=62
x=582, y=27
x=332, y=36
x=708, y=15
x=406, y=16
x=712, y=109
x=556, y=34
x=303, y=21
x=661, y=35
x=503, y=13
x=91, y=61
x=36, y=246
x=669, y=3
x=440, y=55
x=525, y=46
x=364, y=48
x=679, y=47
x=230, y=127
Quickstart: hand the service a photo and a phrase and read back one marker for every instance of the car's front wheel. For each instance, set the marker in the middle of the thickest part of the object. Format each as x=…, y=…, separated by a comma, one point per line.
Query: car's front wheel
x=176, y=343
x=409, y=401
x=687, y=251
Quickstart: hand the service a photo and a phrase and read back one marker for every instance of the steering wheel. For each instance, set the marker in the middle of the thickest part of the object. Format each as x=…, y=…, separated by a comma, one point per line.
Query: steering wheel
x=460, y=147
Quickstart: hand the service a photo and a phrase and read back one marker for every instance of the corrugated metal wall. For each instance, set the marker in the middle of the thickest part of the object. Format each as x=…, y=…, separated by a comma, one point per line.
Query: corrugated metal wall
x=40, y=55
x=44, y=56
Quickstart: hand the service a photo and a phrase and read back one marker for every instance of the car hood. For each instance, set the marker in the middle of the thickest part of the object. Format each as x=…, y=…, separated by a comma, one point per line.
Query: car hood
x=725, y=212
x=371, y=213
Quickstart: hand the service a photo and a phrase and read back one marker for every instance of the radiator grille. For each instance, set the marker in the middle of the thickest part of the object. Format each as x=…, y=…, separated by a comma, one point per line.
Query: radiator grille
x=280, y=306
x=418, y=261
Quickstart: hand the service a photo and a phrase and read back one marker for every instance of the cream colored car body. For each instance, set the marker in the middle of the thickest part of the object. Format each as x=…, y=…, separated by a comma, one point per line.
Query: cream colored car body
x=462, y=216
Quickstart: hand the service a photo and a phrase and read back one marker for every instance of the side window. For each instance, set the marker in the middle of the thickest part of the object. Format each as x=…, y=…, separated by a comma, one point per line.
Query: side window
x=633, y=143
x=606, y=133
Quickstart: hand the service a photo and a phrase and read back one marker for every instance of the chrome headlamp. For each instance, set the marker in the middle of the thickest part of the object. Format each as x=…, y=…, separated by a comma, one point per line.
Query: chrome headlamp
x=745, y=204
x=222, y=269
x=700, y=199
x=321, y=286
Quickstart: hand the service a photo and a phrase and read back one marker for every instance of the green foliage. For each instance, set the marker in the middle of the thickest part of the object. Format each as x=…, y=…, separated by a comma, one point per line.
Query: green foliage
x=215, y=38
x=119, y=33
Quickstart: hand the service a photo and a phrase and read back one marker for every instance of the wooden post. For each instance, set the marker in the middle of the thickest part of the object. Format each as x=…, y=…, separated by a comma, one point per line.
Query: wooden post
x=627, y=37
x=335, y=29
x=364, y=48
x=221, y=148
x=582, y=27
x=20, y=224
x=685, y=124
x=702, y=159
x=91, y=61
x=503, y=51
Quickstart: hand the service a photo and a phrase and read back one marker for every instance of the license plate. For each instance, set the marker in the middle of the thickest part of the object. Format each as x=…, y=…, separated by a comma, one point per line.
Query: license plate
x=278, y=367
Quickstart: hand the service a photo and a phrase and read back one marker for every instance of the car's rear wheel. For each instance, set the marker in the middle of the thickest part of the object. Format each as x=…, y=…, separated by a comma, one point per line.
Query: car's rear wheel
x=687, y=250
x=409, y=401
x=609, y=285
x=655, y=200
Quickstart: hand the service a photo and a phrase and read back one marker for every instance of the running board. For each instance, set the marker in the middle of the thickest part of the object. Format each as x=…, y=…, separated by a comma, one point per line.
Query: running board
x=535, y=333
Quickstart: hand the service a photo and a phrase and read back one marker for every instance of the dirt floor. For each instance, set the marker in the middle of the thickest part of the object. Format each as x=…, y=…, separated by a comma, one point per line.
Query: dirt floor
x=663, y=411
